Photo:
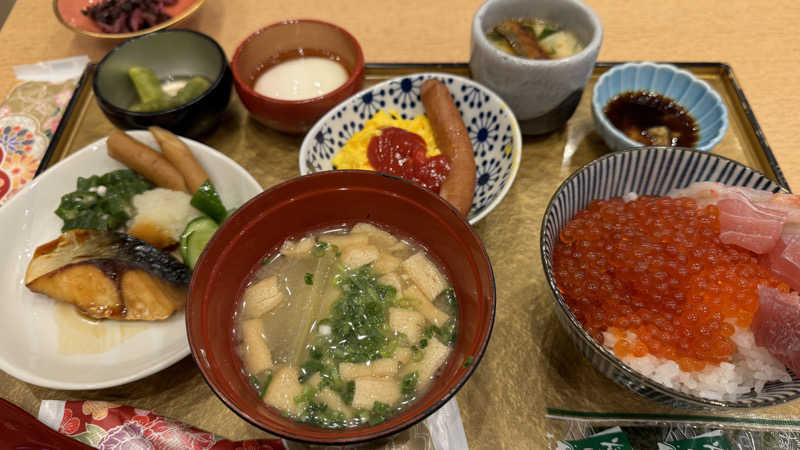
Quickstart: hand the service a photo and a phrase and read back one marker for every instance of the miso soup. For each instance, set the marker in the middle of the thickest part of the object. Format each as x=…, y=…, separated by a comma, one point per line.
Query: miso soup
x=346, y=327
x=534, y=38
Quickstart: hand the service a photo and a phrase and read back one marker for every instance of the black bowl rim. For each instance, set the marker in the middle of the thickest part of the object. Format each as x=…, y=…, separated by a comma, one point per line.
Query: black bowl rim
x=224, y=67
x=447, y=396
x=609, y=357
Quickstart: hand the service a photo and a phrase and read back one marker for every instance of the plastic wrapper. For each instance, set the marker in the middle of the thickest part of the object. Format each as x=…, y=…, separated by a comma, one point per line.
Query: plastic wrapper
x=673, y=432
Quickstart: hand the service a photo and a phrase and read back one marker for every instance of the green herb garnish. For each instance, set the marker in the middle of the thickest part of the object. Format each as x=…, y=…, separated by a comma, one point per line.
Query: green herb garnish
x=469, y=361
x=318, y=414
x=307, y=396
x=379, y=413
x=264, y=386
x=309, y=278
x=319, y=249
x=101, y=202
x=547, y=32
x=409, y=384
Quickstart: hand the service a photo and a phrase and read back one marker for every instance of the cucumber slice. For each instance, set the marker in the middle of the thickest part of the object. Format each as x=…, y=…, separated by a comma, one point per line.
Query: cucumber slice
x=199, y=224
x=196, y=242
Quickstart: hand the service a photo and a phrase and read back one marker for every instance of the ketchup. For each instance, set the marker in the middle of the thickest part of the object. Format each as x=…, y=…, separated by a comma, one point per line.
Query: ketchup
x=403, y=153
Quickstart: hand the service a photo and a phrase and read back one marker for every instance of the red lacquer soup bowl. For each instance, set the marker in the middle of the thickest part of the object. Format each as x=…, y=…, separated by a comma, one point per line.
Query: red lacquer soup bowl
x=312, y=203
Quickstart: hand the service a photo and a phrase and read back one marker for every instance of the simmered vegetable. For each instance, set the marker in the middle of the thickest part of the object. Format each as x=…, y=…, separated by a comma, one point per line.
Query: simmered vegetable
x=152, y=96
x=207, y=200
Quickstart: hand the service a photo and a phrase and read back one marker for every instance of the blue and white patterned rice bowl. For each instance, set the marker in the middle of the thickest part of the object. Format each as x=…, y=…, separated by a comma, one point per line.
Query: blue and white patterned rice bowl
x=491, y=125
x=646, y=171
x=694, y=94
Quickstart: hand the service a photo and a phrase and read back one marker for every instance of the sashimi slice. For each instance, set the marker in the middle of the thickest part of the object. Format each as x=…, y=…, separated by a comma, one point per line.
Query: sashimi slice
x=776, y=326
x=789, y=203
x=784, y=260
x=750, y=226
x=710, y=192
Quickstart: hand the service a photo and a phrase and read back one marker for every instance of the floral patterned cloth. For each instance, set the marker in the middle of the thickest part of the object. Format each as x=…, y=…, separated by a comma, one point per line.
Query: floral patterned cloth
x=109, y=426
x=28, y=118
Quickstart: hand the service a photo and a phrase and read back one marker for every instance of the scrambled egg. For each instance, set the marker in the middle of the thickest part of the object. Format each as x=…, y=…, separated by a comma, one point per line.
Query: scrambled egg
x=354, y=153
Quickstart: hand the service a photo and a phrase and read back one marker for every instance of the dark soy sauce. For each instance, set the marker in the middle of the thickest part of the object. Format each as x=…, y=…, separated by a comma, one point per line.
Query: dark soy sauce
x=652, y=119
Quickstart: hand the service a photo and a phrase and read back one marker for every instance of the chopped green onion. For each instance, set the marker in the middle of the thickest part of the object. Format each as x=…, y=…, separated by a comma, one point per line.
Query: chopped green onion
x=264, y=386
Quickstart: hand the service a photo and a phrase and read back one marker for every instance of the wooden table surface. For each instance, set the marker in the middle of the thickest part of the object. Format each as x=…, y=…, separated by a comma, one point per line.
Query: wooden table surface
x=759, y=42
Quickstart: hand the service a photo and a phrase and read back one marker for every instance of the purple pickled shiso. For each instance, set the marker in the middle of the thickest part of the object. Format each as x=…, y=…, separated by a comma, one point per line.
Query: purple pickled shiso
x=126, y=16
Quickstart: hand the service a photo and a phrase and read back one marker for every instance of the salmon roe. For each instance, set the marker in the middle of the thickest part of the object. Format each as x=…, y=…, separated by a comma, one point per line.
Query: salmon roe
x=655, y=267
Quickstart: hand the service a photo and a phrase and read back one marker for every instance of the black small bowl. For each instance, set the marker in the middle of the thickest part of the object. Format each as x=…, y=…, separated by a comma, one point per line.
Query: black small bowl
x=169, y=53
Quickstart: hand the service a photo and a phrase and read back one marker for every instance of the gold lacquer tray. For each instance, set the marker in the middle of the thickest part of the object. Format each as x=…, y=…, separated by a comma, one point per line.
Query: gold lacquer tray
x=530, y=364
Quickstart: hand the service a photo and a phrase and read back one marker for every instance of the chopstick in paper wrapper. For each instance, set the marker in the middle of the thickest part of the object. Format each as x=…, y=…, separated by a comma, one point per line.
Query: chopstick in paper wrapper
x=106, y=425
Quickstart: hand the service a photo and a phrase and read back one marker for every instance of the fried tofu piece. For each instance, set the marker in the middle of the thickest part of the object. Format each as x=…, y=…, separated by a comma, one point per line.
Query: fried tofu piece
x=402, y=355
x=393, y=280
x=433, y=314
x=371, y=390
x=262, y=297
x=384, y=367
x=376, y=235
x=282, y=390
x=411, y=323
x=359, y=255
x=297, y=248
x=344, y=240
x=256, y=355
x=334, y=401
x=386, y=263
x=424, y=274
x=435, y=355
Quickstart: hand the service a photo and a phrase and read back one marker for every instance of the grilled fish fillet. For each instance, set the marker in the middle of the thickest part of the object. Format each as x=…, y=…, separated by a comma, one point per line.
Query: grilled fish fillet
x=109, y=275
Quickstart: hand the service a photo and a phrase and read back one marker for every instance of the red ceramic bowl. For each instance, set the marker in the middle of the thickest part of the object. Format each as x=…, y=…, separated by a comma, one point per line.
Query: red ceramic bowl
x=310, y=203
x=295, y=116
x=68, y=12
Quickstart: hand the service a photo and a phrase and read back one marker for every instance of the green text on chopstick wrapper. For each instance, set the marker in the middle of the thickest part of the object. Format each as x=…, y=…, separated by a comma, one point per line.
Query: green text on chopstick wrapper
x=611, y=439
x=709, y=441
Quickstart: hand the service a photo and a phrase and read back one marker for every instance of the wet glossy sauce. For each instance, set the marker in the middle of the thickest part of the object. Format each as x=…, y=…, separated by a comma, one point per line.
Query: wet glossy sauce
x=652, y=119
x=79, y=335
x=403, y=153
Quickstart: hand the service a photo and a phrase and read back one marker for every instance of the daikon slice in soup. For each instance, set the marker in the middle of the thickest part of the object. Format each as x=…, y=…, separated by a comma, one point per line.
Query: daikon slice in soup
x=346, y=327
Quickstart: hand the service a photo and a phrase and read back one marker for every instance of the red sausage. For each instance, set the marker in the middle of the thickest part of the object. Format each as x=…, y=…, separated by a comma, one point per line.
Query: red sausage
x=452, y=139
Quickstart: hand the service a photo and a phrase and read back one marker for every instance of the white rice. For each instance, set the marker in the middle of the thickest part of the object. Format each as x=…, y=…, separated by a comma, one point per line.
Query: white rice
x=749, y=369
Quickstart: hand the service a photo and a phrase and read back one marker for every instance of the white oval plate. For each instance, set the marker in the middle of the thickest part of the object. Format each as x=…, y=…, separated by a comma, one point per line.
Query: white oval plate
x=29, y=336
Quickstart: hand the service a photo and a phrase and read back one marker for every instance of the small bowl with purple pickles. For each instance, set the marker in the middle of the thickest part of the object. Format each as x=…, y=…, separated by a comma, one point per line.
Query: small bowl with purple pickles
x=340, y=307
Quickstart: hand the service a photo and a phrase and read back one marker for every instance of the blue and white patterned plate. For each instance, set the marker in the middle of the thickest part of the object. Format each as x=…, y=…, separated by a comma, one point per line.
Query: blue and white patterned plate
x=646, y=171
x=700, y=100
x=491, y=125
